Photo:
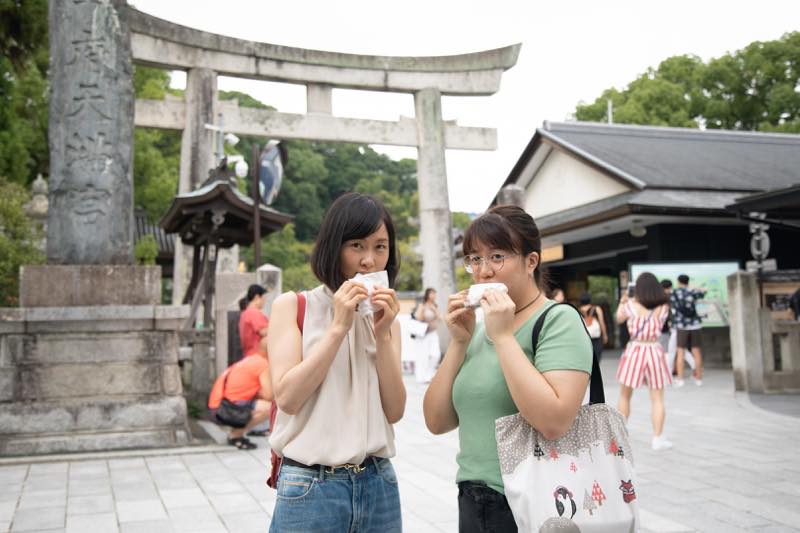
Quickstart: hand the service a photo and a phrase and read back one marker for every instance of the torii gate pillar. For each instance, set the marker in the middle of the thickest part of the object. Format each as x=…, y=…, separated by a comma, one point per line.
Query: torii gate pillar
x=435, y=233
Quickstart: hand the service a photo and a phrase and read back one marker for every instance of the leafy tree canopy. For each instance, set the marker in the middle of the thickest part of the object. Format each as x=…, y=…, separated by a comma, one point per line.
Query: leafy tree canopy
x=754, y=88
x=23, y=90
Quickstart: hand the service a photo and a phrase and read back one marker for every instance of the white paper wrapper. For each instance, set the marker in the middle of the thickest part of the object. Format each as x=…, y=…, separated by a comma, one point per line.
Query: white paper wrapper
x=476, y=292
x=370, y=280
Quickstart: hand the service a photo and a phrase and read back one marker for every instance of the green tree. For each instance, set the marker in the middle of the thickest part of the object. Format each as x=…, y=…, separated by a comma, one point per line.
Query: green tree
x=23, y=90
x=23, y=30
x=410, y=276
x=146, y=250
x=754, y=88
x=18, y=238
x=156, y=153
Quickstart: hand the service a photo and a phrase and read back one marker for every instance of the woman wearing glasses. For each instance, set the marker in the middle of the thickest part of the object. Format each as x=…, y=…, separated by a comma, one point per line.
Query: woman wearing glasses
x=489, y=372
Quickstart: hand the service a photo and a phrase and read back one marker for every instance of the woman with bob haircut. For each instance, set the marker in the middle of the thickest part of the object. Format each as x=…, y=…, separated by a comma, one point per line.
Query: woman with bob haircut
x=337, y=380
x=644, y=357
x=489, y=370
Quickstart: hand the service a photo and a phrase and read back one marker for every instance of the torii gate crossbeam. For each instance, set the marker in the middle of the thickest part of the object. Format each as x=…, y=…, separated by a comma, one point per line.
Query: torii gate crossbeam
x=156, y=42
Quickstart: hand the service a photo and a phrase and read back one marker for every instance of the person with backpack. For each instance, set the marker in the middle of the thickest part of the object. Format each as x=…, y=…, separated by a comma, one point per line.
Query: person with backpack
x=489, y=370
x=595, y=323
x=643, y=359
x=246, y=384
x=337, y=377
x=683, y=302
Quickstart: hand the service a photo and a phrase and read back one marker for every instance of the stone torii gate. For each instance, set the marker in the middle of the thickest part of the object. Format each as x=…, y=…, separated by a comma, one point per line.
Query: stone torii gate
x=156, y=42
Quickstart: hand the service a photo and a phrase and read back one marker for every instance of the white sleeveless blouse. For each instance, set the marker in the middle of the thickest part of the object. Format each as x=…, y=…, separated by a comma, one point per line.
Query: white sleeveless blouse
x=343, y=420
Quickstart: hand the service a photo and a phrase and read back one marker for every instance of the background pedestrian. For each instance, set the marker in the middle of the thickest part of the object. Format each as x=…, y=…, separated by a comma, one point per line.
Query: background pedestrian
x=643, y=358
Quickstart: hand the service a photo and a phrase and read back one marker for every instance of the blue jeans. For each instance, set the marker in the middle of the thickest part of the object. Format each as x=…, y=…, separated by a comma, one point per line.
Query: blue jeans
x=314, y=500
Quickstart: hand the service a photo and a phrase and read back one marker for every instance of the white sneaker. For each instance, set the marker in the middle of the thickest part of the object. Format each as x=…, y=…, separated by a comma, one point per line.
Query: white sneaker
x=677, y=383
x=661, y=443
x=698, y=382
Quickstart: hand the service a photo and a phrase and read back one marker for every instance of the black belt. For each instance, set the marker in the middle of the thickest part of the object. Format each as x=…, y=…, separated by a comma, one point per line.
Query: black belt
x=331, y=469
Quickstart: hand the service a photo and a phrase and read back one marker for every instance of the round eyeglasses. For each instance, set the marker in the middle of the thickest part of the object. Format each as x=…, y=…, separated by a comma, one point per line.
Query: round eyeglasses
x=473, y=263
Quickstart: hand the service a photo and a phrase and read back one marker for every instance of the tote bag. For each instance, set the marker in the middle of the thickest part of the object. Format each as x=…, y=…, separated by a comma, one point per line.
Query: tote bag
x=582, y=482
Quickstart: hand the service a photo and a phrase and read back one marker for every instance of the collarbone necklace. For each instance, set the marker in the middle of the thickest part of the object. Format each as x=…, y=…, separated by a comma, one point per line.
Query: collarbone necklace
x=527, y=305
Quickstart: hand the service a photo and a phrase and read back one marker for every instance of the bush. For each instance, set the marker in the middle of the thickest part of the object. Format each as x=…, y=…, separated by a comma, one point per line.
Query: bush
x=18, y=241
x=146, y=250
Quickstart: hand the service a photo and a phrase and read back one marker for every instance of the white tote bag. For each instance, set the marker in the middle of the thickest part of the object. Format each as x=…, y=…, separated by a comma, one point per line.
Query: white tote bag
x=582, y=482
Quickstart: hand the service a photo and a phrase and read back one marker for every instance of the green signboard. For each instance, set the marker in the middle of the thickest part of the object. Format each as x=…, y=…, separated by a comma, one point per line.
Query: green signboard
x=711, y=277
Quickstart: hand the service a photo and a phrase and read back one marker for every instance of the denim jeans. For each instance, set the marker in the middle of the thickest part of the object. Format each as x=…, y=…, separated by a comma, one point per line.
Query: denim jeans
x=314, y=500
x=483, y=510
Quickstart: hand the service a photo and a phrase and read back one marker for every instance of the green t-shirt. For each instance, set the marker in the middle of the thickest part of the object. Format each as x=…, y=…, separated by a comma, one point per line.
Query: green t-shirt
x=480, y=392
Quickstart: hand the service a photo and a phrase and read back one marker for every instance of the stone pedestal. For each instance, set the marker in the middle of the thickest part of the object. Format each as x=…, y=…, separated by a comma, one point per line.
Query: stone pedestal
x=230, y=287
x=90, y=378
x=80, y=285
x=765, y=351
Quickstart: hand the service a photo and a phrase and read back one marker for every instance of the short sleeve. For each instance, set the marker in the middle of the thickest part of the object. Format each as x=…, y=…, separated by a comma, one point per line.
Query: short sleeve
x=664, y=313
x=563, y=342
x=258, y=321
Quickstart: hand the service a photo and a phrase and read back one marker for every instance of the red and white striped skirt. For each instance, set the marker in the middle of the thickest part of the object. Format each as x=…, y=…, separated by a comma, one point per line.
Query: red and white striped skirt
x=644, y=360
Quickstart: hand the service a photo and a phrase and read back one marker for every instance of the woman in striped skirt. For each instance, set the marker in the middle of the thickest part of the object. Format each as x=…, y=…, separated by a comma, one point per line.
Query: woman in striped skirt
x=644, y=357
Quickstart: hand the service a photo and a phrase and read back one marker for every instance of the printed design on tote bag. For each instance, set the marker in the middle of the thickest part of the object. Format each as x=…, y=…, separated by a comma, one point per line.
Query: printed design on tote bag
x=597, y=494
x=562, y=496
x=628, y=494
x=588, y=503
x=546, y=478
x=615, y=450
x=562, y=524
x=579, y=438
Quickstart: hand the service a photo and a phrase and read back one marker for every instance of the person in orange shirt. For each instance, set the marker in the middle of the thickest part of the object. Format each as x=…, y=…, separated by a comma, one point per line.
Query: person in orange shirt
x=253, y=323
x=248, y=383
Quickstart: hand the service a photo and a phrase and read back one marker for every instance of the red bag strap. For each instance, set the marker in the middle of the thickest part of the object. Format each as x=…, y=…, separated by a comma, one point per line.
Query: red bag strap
x=275, y=461
x=301, y=310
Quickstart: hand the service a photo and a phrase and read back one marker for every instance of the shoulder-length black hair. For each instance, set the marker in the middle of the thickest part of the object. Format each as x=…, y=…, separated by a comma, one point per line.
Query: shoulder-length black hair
x=649, y=292
x=506, y=227
x=352, y=216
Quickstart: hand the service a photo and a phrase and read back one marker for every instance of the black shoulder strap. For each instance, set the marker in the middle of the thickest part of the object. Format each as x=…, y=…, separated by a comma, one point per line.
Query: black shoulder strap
x=596, y=392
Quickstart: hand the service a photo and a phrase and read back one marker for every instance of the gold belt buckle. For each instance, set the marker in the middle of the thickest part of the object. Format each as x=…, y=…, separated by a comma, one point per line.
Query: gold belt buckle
x=349, y=466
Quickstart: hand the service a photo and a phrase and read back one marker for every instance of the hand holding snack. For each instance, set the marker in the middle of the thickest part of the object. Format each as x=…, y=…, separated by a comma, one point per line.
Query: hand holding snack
x=370, y=281
x=476, y=291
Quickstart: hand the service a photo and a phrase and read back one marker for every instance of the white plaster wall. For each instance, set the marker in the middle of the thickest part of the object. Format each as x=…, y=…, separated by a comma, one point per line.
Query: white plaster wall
x=563, y=182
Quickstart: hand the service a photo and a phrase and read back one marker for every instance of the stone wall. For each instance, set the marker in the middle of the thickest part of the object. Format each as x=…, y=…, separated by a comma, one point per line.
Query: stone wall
x=90, y=378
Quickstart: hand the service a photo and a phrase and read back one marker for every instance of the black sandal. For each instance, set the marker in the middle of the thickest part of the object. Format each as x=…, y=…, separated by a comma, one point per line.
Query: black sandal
x=243, y=443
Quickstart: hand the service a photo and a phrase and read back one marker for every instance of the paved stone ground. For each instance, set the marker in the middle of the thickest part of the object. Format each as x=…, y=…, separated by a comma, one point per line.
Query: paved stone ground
x=734, y=468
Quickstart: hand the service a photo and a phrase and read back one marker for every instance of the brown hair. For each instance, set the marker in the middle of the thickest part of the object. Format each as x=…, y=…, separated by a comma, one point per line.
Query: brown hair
x=352, y=216
x=649, y=292
x=428, y=292
x=506, y=227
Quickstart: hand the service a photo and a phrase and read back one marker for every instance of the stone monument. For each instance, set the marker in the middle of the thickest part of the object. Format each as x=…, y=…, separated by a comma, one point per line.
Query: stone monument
x=90, y=359
x=91, y=134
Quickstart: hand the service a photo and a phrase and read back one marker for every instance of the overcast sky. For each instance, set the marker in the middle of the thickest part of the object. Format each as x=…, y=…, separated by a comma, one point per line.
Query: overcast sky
x=571, y=51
